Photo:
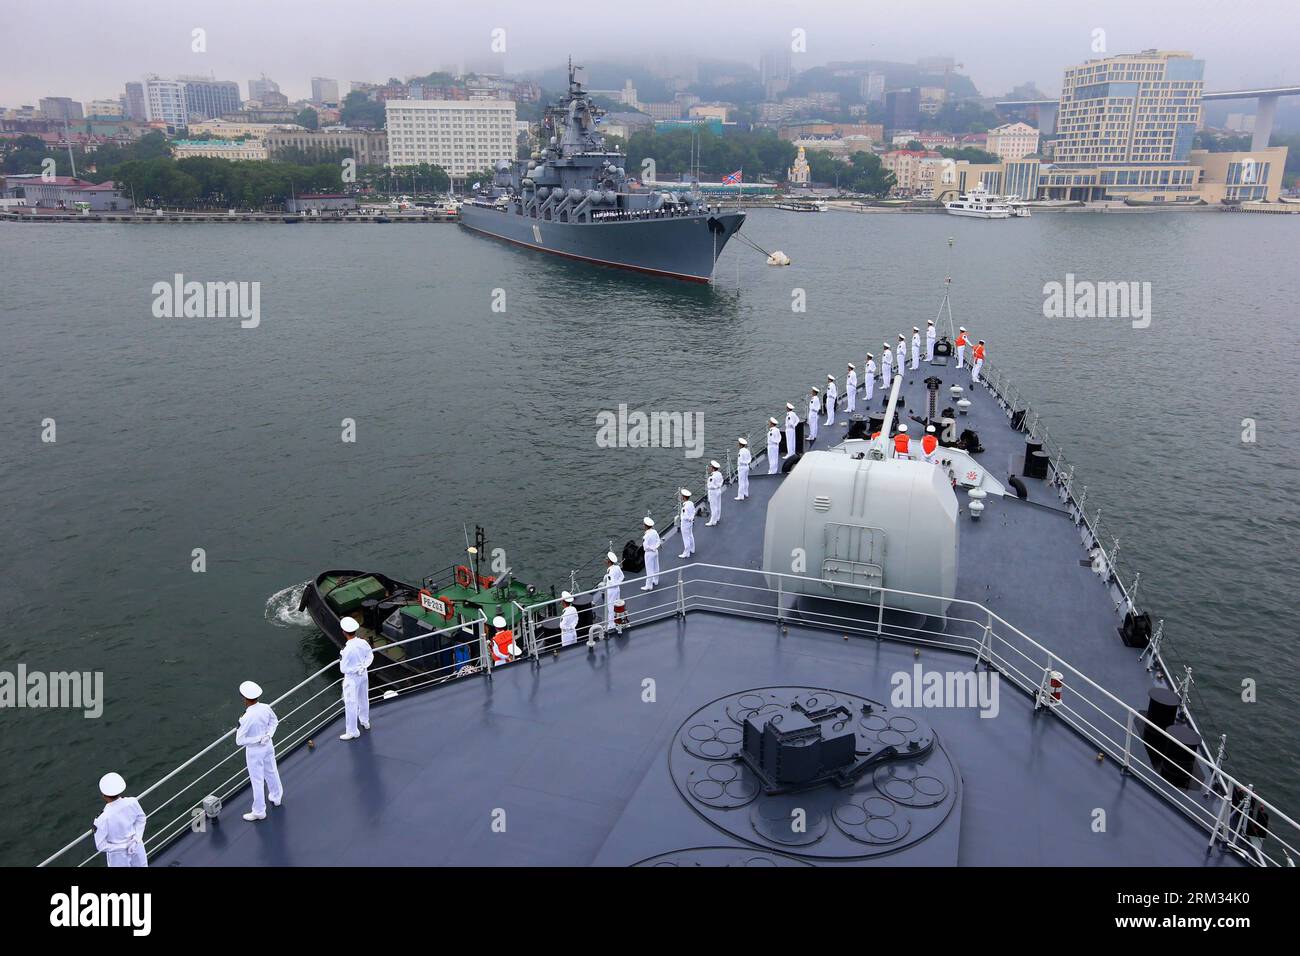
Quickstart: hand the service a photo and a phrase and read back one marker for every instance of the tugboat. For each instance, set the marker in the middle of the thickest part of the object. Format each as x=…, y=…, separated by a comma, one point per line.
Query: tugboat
x=392, y=613
x=574, y=199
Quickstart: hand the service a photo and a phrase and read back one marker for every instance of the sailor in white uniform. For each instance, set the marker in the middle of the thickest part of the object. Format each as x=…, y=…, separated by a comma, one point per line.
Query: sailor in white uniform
x=791, y=423
x=886, y=368
x=686, y=522
x=568, y=620
x=814, y=412
x=916, y=348
x=256, y=734
x=868, y=379
x=900, y=356
x=929, y=341
x=611, y=584
x=851, y=389
x=773, y=446
x=714, y=486
x=119, y=829
x=354, y=662
x=832, y=397
x=650, y=542
x=743, y=461
x=961, y=346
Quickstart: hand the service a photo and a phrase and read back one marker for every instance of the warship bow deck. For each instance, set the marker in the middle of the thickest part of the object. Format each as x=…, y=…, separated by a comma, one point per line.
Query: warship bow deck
x=562, y=759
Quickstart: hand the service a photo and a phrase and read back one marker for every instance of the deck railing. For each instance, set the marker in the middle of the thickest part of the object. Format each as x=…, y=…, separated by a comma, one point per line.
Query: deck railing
x=1212, y=799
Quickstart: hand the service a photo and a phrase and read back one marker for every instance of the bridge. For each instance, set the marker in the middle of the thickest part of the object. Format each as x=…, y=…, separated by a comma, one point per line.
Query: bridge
x=1265, y=109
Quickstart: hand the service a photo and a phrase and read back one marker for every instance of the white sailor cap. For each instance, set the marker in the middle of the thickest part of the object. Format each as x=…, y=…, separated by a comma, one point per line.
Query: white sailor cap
x=771, y=421
x=250, y=690
x=714, y=464
x=901, y=337
x=566, y=597
x=648, y=521
x=742, y=441
x=929, y=428
x=349, y=625
x=870, y=355
x=498, y=621
x=961, y=328
x=902, y=428
x=816, y=390
x=831, y=378
x=686, y=492
x=611, y=557
x=112, y=785
x=851, y=365
x=789, y=407
x=916, y=328
x=929, y=321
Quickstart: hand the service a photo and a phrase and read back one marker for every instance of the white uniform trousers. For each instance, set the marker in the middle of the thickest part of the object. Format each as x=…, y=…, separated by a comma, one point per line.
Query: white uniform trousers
x=742, y=482
x=263, y=774
x=773, y=458
x=356, y=701
x=652, y=568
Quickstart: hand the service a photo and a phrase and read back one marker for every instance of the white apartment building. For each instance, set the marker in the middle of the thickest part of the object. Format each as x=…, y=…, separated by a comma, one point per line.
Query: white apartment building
x=461, y=136
x=1012, y=141
x=164, y=102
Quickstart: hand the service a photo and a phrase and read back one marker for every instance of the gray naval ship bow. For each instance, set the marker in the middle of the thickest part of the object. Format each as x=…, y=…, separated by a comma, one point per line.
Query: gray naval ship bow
x=574, y=198
x=868, y=661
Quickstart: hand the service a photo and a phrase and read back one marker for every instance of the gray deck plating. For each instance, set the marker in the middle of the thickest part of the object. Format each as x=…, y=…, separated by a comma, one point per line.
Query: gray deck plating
x=578, y=761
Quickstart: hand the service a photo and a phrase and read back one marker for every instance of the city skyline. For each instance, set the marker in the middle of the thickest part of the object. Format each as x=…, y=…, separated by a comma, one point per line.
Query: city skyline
x=244, y=41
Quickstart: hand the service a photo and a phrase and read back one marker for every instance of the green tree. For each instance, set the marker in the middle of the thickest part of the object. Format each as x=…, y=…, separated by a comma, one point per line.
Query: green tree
x=972, y=154
x=308, y=117
x=361, y=112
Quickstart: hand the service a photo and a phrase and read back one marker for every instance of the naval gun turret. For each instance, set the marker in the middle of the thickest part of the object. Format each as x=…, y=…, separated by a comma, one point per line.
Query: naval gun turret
x=858, y=522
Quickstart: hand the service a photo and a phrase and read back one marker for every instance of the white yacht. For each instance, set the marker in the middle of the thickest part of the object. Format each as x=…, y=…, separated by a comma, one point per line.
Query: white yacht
x=979, y=203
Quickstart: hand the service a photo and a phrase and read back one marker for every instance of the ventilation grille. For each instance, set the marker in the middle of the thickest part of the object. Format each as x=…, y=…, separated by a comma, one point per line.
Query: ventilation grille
x=822, y=503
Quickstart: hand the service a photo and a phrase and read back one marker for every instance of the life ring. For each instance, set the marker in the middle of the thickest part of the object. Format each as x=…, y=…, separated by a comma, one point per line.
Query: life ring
x=464, y=577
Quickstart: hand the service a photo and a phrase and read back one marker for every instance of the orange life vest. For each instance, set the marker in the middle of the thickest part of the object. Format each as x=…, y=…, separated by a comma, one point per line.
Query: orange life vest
x=979, y=351
x=900, y=443
x=929, y=443
x=961, y=339
x=501, y=642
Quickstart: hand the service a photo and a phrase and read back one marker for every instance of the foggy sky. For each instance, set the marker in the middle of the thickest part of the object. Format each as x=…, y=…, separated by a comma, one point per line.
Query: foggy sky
x=87, y=49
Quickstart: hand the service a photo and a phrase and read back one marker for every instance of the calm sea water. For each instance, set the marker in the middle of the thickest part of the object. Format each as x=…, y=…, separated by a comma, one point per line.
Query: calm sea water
x=193, y=433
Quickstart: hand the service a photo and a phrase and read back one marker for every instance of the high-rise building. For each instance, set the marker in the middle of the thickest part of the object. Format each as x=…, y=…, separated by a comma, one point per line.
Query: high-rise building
x=207, y=99
x=324, y=91
x=903, y=109
x=60, y=108
x=164, y=102
x=105, y=108
x=872, y=87
x=461, y=136
x=257, y=89
x=134, y=105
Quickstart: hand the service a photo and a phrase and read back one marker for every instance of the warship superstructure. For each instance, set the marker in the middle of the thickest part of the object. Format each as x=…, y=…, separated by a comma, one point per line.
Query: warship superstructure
x=574, y=198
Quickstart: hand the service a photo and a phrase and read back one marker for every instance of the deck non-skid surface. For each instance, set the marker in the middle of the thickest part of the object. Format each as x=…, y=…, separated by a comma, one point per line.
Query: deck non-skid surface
x=570, y=761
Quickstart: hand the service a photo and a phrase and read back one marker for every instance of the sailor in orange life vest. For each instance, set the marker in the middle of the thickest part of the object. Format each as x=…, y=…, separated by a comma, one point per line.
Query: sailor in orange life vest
x=119, y=829
x=832, y=398
x=650, y=543
x=256, y=734
x=929, y=443
x=814, y=412
x=901, y=443
x=686, y=523
x=714, y=488
x=978, y=355
x=791, y=423
x=962, y=342
x=568, y=621
x=929, y=341
x=743, y=461
x=916, y=347
x=868, y=379
x=503, y=646
x=773, y=445
x=354, y=661
x=886, y=368
x=851, y=389
x=613, y=592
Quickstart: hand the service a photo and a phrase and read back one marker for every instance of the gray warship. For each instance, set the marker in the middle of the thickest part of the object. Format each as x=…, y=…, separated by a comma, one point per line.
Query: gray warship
x=574, y=199
x=817, y=685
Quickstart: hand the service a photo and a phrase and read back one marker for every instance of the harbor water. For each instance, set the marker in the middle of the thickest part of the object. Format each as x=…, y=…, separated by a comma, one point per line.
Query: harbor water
x=201, y=471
